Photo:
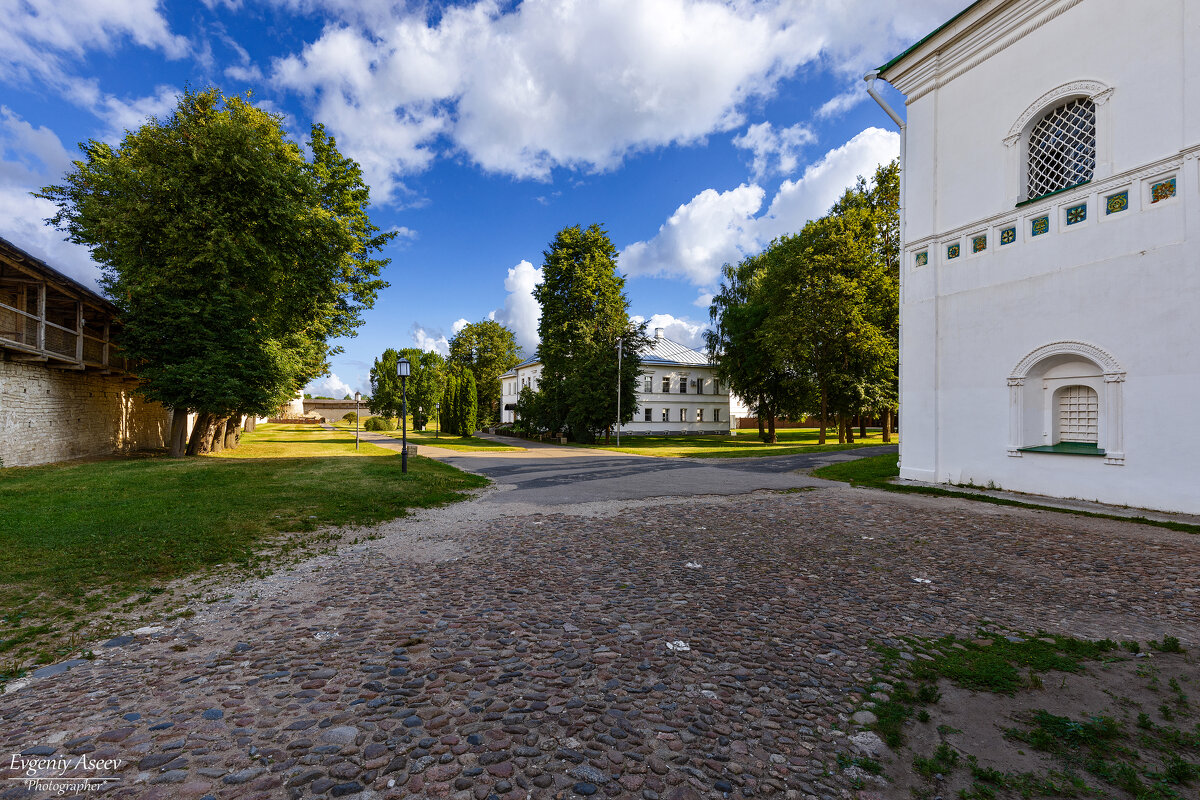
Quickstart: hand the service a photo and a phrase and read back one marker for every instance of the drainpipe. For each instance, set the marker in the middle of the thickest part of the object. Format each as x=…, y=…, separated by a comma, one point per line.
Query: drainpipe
x=870, y=78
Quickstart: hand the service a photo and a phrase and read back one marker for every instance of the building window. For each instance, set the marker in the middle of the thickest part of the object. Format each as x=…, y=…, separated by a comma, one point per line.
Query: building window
x=1062, y=148
x=649, y=387
x=716, y=415
x=699, y=385
x=683, y=385
x=1078, y=414
x=716, y=386
x=683, y=415
x=666, y=415
x=699, y=415
x=666, y=384
x=647, y=415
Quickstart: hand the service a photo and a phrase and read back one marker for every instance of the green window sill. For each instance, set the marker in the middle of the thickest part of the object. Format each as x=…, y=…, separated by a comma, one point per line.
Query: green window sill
x=1052, y=194
x=1066, y=448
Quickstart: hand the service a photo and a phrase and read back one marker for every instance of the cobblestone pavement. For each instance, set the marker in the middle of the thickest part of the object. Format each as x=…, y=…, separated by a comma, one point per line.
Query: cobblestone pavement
x=706, y=647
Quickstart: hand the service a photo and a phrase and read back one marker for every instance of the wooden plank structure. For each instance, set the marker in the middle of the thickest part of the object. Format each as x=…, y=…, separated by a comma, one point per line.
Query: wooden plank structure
x=49, y=318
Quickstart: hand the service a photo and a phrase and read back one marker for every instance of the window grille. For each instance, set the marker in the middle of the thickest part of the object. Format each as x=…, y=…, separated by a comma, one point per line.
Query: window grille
x=1078, y=408
x=1062, y=148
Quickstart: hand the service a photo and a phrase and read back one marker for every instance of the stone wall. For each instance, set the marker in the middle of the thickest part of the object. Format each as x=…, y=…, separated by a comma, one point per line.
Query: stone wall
x=51, y=415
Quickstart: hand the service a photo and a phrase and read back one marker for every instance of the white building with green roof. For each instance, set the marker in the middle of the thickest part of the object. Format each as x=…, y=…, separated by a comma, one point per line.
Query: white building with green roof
x=678, y=391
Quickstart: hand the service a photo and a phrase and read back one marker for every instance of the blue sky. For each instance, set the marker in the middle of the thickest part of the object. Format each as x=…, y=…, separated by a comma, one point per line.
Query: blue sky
x=694, y=131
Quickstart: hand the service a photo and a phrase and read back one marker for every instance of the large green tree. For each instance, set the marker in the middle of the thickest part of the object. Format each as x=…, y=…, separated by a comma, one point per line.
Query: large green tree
x=232, y=257
x=426, y=382
x=750, y=363
x=584, y=313
x=488, y=349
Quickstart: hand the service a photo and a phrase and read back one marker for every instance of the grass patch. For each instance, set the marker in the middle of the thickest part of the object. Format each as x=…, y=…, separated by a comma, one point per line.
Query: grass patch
x=77, y=537
x=876, y=472
x=742, y=444
x=427, y=438
x=993, y=663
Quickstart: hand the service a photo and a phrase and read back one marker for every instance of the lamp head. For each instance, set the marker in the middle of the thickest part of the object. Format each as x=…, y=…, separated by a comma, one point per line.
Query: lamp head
x=403, y=368
x=357, y=396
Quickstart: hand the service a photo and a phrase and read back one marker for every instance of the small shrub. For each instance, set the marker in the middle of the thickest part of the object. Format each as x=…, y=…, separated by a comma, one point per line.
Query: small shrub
x=350, y=417
x=379, y=424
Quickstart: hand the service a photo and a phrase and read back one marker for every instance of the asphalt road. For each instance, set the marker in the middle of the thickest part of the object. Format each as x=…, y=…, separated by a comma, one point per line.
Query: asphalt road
x=550, y=475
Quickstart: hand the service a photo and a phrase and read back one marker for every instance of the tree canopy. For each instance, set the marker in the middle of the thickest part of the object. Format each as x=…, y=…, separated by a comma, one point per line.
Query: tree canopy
x=488, y=349
x=233, y=259
x=584, y=313
x=426, y=381
x=810, y=325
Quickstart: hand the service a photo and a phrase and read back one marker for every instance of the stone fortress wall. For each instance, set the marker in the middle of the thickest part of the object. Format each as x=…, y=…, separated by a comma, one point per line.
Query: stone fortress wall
x=49, y=415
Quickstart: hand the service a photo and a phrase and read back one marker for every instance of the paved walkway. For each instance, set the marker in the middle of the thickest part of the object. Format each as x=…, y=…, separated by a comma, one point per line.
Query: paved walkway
x=553, y=475
x=674, y=648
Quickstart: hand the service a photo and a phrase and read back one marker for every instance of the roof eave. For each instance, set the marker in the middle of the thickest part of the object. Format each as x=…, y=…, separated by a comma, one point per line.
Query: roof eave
x=882, y=71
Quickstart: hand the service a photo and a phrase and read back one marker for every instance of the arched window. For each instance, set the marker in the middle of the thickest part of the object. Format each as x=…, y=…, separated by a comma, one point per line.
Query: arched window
x=1077, y=414
x=1062, y=148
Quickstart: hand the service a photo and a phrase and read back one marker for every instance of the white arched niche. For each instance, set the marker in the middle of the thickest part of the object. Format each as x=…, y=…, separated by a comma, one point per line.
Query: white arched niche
x=1035, y=386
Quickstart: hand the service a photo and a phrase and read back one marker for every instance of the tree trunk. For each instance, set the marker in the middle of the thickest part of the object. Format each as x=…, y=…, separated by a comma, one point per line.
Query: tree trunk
x=231, y=432
x=201, y=435
x=762, y=431
x=824, y=415
x=841, y=423
x=177, y=438
x=886, y=422
x=849, y=429
x=771, y=422
x=862, y=426
x=217, y=443
x=249, y=425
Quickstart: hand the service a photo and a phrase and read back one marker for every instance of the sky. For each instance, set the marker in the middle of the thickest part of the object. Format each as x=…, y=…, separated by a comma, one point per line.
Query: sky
x=693, y=131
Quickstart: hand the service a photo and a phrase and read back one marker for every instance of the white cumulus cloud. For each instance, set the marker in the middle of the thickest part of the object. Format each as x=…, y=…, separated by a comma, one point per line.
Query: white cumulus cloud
x=524, y=88
x=709, y=230
x=521, y=311
x=715, y=228
x=677, y=329
x=332, y=386
x=775, y=150
x=433, y=341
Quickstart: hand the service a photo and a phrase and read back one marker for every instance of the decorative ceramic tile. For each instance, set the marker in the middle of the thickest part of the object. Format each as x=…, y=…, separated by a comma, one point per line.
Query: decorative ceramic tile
x=1116, y=202
x=1008, y=236
x=1040, y=225
x=1076, y=214
x=952, y=251
x=1163, y=190
x=979, y=244
x=922, y=258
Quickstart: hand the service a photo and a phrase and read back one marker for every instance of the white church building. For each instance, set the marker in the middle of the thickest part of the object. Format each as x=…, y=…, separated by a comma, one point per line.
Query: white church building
x=1050, y=292
x=678, y=391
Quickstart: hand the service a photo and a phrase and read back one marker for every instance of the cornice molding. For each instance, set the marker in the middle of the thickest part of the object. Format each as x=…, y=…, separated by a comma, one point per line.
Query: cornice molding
x=1096, y=91
x=958, y=58
x=1069, y=347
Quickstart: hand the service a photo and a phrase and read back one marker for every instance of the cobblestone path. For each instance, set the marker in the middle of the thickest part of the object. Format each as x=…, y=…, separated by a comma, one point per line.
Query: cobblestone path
x=710, y=647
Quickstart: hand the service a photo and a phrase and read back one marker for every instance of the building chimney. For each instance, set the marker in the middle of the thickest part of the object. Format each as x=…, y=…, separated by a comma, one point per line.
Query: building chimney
x=658, y=333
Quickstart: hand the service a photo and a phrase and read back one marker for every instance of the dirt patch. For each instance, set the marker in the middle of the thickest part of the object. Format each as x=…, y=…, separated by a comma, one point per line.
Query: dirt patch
x=1124, y=726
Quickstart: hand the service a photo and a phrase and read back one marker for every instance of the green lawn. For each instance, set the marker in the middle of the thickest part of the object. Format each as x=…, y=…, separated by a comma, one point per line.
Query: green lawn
x=428, y=438
x=743, y=444
x=77, y=537
x=876, y=472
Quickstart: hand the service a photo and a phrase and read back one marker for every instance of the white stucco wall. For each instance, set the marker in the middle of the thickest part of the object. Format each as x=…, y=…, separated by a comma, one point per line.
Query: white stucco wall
x=1126, y=283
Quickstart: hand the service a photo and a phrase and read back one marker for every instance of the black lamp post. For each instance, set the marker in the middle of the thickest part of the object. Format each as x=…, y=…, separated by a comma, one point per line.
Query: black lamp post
x=402, y=369
x=437, y=409
x=357, y=397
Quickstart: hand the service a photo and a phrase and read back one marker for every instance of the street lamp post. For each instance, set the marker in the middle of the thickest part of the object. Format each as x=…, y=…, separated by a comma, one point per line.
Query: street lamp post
x=402, y=369
x=357, y=397
x=619, y=392
x=437, y=409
